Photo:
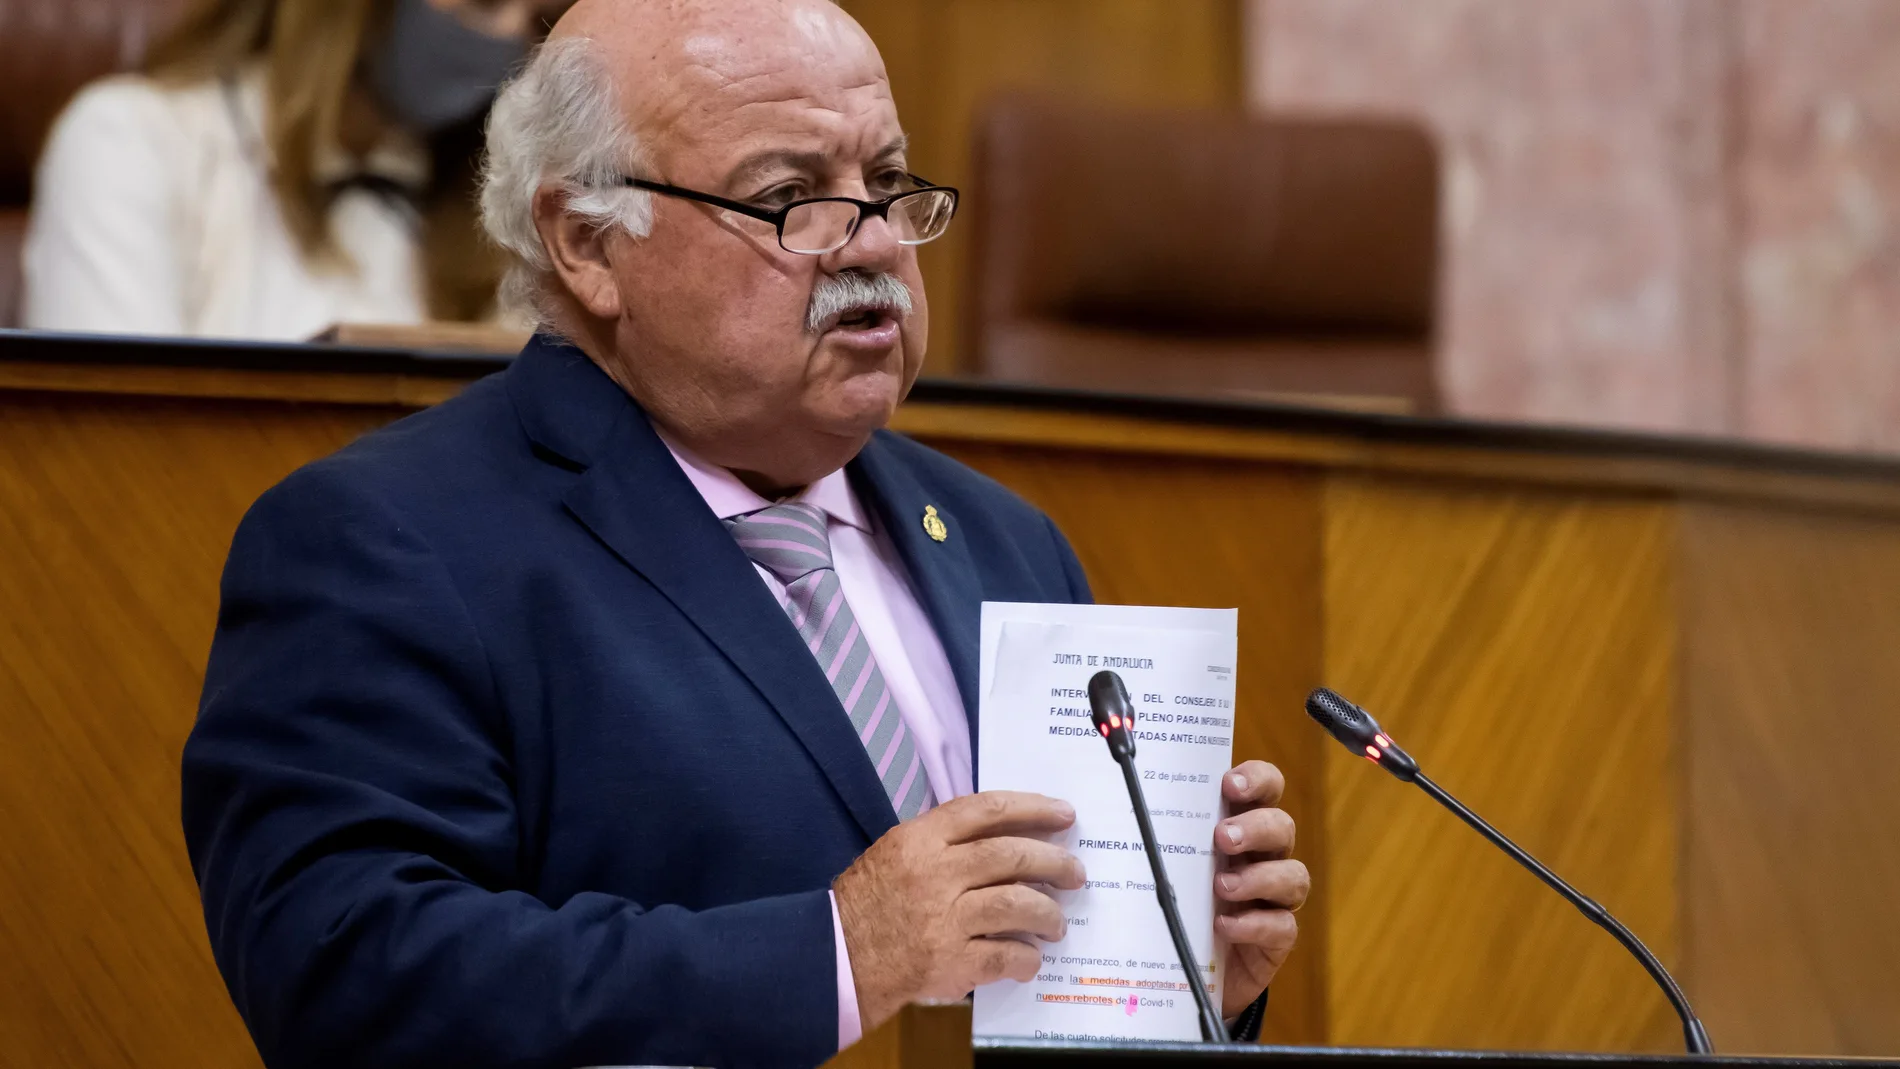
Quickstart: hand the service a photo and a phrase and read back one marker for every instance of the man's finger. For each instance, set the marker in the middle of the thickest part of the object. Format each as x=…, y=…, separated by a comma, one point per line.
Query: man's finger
x=1010, y=910
x=1252, y=783
x=1273, y=931
x=1256, y=831
x=994, y=813
x=1013, y=859
x=998, y=958
x=1280, y=883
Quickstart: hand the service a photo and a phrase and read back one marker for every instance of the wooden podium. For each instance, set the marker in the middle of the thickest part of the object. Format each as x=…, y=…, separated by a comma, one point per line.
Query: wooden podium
x=1667, y=666
x=938, y=1037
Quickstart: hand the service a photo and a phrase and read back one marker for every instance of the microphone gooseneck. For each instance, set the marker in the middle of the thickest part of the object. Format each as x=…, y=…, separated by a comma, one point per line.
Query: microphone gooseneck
x=1358, y=732
x=1114, y=717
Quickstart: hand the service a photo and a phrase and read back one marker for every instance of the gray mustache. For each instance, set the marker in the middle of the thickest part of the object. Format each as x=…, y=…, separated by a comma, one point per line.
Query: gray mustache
x=838, y=296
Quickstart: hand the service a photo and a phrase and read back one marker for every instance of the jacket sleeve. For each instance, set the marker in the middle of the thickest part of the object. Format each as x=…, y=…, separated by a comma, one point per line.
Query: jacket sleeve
x=348, y=805
x=1073, y=576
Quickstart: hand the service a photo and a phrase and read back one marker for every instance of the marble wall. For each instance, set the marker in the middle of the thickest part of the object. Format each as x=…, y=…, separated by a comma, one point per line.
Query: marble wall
x=1672, y=215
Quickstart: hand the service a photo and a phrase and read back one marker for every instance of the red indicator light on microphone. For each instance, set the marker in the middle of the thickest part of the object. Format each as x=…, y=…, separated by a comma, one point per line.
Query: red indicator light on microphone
x=1382, y=740
x=1372, y=752
x=1105, y=731
x=1114, y=721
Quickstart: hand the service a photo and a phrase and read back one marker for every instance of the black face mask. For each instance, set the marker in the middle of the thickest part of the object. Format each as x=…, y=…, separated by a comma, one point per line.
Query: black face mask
x=433, y=71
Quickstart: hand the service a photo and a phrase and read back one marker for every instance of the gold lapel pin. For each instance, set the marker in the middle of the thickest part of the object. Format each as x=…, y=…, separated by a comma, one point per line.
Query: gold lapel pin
x=933, y=524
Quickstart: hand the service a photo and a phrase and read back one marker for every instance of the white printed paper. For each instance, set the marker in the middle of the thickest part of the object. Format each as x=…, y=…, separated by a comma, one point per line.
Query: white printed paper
x=1115, y=975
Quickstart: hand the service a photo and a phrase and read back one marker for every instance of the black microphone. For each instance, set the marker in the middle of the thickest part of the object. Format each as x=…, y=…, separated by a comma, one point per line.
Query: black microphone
x=1361, y=734
x=1114, y=717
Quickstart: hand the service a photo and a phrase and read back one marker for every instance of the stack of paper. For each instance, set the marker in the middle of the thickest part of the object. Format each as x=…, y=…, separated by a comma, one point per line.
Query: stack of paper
x=1115, y=975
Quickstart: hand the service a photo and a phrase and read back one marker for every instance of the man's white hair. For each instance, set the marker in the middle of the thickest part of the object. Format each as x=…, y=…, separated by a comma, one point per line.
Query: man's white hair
x=557, y=123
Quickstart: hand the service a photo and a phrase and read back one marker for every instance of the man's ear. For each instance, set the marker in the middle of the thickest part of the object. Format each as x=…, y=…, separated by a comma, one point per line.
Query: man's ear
x=579, y=252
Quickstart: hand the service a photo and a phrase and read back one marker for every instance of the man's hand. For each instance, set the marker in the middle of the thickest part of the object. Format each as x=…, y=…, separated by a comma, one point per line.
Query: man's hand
x=1260, y=886
x=939, y=906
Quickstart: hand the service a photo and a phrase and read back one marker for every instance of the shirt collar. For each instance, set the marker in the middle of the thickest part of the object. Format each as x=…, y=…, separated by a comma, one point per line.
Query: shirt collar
x=728, y=497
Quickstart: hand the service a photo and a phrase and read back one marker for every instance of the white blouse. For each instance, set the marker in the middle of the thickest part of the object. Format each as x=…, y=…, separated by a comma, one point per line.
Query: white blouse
x=153, y=214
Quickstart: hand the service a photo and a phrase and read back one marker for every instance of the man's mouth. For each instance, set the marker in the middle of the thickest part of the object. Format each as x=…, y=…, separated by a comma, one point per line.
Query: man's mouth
x=867, y=309
x=864, y=318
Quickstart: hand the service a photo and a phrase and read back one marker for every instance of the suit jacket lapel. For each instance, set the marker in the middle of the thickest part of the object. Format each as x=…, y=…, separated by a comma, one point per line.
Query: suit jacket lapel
x=943, y=572
x=634, y=498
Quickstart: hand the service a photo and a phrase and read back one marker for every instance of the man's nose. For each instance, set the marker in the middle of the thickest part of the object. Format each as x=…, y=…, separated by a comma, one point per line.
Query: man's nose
x=873, y=248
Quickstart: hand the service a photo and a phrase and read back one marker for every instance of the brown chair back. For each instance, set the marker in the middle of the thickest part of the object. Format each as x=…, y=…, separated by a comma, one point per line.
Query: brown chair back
x=48, y=50
x=1203, y=252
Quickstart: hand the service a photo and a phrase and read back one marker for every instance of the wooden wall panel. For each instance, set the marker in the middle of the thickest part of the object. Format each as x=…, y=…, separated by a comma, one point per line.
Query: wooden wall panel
x=114, y=521
x=1520, y=617
x=1792, y=713
x=947, y=58
x=1174, y=531
x=1520, y=645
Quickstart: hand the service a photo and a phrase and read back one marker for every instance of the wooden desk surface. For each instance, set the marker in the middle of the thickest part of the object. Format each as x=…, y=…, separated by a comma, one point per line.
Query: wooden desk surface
x=939, y=1037
x=1664, y=664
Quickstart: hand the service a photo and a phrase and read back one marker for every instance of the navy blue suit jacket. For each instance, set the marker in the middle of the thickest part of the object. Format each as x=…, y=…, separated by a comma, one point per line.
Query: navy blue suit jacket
x=507, y=757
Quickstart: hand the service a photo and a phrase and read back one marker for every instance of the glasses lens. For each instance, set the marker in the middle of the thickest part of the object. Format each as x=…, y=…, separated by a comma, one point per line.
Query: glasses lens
x=923, y=216
x=819, y=227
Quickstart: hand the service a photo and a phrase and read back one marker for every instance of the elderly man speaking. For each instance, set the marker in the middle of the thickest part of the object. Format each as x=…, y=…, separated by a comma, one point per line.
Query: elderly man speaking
x=619, y=710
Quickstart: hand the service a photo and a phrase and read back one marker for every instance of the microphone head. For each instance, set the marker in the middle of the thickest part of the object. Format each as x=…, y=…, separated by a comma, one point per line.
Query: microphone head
x=1112, y=712
x=1355, y=728
x=1342, y=719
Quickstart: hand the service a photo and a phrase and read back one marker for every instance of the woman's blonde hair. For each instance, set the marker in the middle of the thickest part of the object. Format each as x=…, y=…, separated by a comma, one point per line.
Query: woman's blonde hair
x=312, y=52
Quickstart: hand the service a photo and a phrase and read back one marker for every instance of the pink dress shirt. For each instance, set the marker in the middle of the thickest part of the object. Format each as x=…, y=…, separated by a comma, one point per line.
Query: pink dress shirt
x=900, y=635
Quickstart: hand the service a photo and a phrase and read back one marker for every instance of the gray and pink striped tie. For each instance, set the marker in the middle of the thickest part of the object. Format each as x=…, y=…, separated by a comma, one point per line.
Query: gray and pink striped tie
x=790, y=542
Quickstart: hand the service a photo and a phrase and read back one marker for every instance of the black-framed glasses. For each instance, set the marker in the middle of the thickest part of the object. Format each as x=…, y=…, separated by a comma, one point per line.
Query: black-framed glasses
x=824, y=224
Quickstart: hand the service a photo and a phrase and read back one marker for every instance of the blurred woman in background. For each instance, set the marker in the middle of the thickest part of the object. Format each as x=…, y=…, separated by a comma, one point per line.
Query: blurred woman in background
x=279, y=167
